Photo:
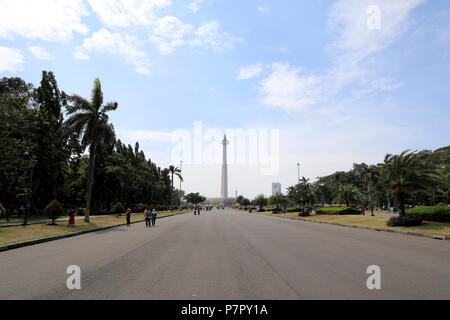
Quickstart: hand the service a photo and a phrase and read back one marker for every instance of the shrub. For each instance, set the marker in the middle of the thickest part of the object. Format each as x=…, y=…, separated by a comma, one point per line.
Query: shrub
x=442, y=204
x=294, y=209
x=53, y=210
x=338, y=210
x=405, y=221
x=118, y=208
x=304, y=213
x=261, y=210
x=438, y=213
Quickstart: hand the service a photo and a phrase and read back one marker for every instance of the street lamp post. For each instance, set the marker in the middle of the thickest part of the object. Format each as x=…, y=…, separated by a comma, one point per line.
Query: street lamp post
x=298, y=171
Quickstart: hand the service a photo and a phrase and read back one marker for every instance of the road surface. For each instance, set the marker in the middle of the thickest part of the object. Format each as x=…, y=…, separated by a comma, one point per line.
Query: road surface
x=226, y=254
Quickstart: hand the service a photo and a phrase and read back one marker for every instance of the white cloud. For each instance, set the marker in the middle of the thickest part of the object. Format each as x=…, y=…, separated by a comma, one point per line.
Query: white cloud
x=195, y=5
x=115, y=43
x=354, y=44
x=170, y=32
x=10, y=60
x=263, y=9
x=49, y=20
x=40, y=53
x=126, y=13
x=285, y=88
x=210, y=35
x=248, y=72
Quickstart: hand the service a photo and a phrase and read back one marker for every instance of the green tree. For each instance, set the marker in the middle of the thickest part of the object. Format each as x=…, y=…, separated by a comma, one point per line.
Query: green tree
x=260, y=201
x=177, y=172
x=50, y=150
x=194, y=198
x=348, y=194
x=279, y=200
x=407, y=173
x=89, y=120
x=53, y=210
x=302, y=193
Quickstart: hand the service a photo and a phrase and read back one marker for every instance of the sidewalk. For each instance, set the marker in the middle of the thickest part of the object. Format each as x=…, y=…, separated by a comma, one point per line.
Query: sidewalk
x=19, y=223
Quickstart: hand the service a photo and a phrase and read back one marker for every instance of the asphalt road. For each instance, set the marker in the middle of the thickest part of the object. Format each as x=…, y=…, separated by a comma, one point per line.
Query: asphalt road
x=225, y=254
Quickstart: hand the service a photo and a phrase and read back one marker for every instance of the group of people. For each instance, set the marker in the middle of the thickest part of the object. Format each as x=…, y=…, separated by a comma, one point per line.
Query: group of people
x=198, y=208
x=149, y=215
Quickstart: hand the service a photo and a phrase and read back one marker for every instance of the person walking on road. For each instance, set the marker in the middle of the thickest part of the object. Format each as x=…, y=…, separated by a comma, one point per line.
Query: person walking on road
x=154, y=214
x=128, y=216
x=148, y=216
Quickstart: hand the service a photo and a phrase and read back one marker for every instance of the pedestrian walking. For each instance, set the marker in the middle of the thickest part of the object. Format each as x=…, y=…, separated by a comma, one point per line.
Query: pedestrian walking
x=128, y=216
x=363, y=210
x=148, y=217
x=154, y=214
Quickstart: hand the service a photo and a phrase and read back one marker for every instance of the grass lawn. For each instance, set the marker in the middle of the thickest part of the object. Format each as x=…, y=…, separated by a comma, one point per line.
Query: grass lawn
x=377, y=222
x=10, y=235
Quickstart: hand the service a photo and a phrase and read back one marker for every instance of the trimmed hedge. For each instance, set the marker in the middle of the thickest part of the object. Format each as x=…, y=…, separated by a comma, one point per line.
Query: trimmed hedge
x=406, y=221
x=438, y=213
x=118, y=208
x=54, y=210
x=338, y=210
x=294, y=209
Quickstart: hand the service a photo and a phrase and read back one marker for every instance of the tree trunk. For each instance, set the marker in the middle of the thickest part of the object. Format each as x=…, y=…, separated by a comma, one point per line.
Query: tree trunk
x=401, y=204
x=89, y=181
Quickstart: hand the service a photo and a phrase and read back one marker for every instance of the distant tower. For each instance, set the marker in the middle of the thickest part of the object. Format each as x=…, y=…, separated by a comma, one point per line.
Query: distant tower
x=224, y=188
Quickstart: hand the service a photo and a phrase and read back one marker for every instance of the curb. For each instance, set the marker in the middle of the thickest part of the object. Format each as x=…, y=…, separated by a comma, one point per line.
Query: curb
x=418, y=234
x=72, y=234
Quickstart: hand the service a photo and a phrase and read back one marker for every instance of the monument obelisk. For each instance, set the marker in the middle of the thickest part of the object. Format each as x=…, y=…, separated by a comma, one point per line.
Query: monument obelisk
x=224, y=187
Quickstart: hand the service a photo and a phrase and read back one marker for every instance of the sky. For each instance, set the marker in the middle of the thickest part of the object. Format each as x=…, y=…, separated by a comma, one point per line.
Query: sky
x=328, y=83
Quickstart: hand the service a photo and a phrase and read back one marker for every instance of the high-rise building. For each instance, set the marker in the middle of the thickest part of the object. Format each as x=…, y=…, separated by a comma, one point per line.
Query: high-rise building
x=276, y=188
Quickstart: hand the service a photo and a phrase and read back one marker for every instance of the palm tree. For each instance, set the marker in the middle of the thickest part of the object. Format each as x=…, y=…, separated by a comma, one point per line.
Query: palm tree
x=349, y=194
x=260, y=201
x=89, y=122
x=407, y=173
x=177, y=172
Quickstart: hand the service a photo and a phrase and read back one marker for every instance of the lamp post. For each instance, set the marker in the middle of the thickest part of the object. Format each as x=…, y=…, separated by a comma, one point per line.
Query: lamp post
x=298, y=172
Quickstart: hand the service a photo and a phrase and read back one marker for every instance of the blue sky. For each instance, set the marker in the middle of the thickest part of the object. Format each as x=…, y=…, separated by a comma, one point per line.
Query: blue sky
x=341, y=82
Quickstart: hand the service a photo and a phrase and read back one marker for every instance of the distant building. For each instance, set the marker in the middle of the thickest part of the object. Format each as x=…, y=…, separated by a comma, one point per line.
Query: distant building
x=276, y=188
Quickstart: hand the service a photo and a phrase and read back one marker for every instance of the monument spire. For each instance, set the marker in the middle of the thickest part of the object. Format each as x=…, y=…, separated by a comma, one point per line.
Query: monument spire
x=224, y=186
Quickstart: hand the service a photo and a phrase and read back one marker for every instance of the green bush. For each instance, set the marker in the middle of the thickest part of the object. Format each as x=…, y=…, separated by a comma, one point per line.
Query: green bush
x=405, y=221
x=294, y=209
x=438, y=213
x=53, y=210
x=118, y=208
x=442, y=204
x=338, y=210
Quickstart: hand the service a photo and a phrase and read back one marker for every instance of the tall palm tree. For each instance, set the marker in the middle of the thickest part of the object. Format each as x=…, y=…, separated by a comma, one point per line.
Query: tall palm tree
x=89, y=122
x=406, y=173
x=177, y=172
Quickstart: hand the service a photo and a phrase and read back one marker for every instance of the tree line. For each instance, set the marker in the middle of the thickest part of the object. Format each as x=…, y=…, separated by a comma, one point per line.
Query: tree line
x=407, y=179
x=65, y=147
